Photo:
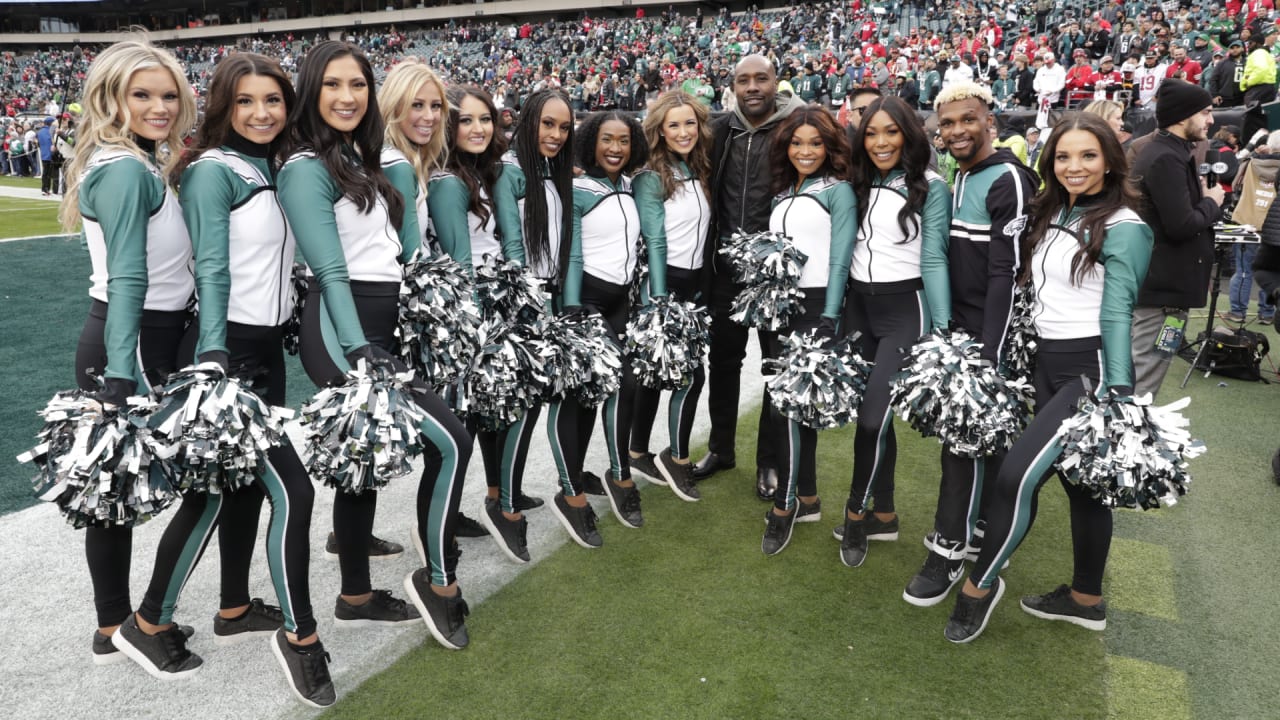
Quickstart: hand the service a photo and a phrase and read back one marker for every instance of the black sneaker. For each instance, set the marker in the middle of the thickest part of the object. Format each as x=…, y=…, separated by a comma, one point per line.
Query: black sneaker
x=382, y=610
x=1275, y=467
x=468, y=528
x=163, y=655
x=853, y=542
x=943, y=568
x=524, y=503
x=810, y=512
x=647, y=466
x=259, y=619
x=592, y=484
x=306, y=669
x=777, y=532
x=445, y=616
x=104, y=651
x=877, y=529
x=679, y=477
x=970, y=617
x=378, y=548
x=625, y=503
x=580, y=522
x=508, y=534
x=1059, y=605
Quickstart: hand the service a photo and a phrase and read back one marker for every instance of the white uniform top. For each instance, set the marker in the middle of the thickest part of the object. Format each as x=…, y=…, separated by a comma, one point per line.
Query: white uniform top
x=484, y=240
x=881, y=255
x=391, y=155
x=803, y=218
x=1064, y=310
x=610, y=230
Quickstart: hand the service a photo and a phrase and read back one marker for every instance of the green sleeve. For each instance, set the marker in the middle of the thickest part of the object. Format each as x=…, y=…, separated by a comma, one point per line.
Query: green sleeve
x=844, y=232
x=308, y=195
x=208, y=194
x=507, y=194
x=936, y=237
x=121, y=197
x=647, y=187
x=447, y=202
x=1126, y=252
x=403, y=179
x=571, y=295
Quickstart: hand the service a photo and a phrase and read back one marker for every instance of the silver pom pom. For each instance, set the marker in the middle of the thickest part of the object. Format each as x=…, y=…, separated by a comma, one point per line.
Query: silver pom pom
x=583, y=358
x=363, y=432
x=439, y=321
x=665, y=343
x=1022, y=340
x=510, y=293
x=946, y=390
x=1128, y=452
x=506, y=378
x=819, y=384
x=95, y=465
x=769, y=265
x=294, y=324
x=212, y=432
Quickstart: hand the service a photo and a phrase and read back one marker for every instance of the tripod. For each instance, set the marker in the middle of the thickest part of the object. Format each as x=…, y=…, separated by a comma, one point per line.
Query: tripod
x=1220, y=248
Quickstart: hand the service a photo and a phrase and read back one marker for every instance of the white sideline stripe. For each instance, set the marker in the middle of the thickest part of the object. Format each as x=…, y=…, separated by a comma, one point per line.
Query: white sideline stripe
x=41, y=237
x=47, y=668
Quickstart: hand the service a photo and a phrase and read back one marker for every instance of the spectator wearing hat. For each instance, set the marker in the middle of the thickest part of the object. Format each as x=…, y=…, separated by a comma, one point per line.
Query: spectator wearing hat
x=1181, y=212
x=1258, y=82
x=907, y=88
x=1050, y=79
x=1183, y=67
x=930, y=82
x=1223, y=85
x=1070, y=39
x=1108, y=79
x=48, y=172
x=1025, y=44
x=957, y=72
x=1098, y=39
x=1201, y=51
x=1147, y=78
x=1080, y=77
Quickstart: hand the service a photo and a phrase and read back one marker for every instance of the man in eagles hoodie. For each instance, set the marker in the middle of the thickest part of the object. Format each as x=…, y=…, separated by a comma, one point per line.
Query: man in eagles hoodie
x=740, y=203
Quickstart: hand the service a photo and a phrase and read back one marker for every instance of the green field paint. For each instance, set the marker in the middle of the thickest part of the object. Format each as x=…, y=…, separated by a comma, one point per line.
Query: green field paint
x=1140, y=579
x=1140, y=690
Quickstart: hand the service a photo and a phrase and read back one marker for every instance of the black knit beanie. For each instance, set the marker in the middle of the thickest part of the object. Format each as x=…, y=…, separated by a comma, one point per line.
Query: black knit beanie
x=1177, y=100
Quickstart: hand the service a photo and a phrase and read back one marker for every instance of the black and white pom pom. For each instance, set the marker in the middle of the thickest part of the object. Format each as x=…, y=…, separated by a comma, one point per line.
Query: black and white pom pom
x=1128, y=452
x=95, y=465
x=819, y=384
x=638, y=293
x=946, y=390
x=211, y=431
x=769, y=265
x=364, y=432
x=583, y=356
x=507, y=377
x=293, y=325
x=510, y=293
x=665, y=343
x=439, y=321
x=1022, y=340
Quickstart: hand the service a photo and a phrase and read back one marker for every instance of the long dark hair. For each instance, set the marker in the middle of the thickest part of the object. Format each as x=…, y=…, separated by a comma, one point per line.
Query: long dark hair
x=836, y=164
x=475, y=171
x=584, y=149
x=537, y=226
x=361, y=182
x=1117, y=193
x=914, y=161
x=220, y=104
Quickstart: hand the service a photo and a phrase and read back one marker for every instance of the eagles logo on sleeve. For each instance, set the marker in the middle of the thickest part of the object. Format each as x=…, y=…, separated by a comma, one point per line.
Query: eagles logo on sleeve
x=1014, y=227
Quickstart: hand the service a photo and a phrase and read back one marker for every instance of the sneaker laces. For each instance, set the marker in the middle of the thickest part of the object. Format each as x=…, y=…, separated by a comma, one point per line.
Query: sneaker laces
x=174, y=644
x=457, y=611
x=315, y=667
x=271, y=612
x=589, y=518
x=388, y=601
x=630, y=500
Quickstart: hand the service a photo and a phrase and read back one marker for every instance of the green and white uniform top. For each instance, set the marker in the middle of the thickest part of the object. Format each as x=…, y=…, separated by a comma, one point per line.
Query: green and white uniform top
x=884, y=254
x=675, y=229
x=1101, y=303
x=606, y=234
x=821, y=218
x=400, y=172
x=509, y=196
x=458, y=231
x=138, y=247
x=243, y=245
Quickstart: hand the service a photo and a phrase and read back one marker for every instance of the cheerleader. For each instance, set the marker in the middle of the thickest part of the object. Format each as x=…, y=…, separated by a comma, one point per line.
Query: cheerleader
x=813, y=205
x=603, y=253
x=532, y=225
x=1088, y=252
x=899, y=290
x=671, y=195
x=244, y=261
x=137, y=108
x=354, y=230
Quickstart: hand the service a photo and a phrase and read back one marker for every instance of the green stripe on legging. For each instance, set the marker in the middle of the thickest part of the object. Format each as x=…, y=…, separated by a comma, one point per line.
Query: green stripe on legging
x=975, y=495
x=675, y=409
x=1028, y=486
x=557, y=452
x=276, y=557
x=507, y=467
x=439, y=508
x=611, y=435
x=198, y=538
x=793, y=462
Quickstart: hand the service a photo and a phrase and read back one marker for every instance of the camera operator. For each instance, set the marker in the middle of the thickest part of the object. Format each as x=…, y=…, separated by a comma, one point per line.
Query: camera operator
x=1181, y=211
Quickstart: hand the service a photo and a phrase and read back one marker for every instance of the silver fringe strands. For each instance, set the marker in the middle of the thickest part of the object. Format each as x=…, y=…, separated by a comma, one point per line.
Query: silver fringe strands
x=439, y=322
x=1126, y=451
x=507, y=376
x=769, y=265
x=666, y=341
x=211, y=432
x=583, y=358
x=946, y=390
x=509, y=292
x=294, y=324
x=1022, y=340
x=364, y=432
x=819, y=384
x=95, y=464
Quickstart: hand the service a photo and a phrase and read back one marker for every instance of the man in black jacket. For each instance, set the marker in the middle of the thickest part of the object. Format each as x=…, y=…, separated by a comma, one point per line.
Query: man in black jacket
x=1181, y=212
x=1224, y=84
x=741, y=203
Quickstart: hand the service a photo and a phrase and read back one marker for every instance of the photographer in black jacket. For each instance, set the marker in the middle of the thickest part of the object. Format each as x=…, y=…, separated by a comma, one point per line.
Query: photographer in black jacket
x=1181, y=211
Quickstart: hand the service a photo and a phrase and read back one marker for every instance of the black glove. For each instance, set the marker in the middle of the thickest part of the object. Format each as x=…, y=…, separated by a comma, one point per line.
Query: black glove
x=215, y=356
x=115, y=392
x=1120, y=391
x=375, y=356
x=828, y=329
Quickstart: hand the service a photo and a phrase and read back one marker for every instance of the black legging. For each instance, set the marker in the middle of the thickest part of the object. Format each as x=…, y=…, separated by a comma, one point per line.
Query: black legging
x=682, y=407
x=724, y=366
x=256, y=355
x=797, y=445
x=569, y=422
x=109, y=550
x=1061, y=366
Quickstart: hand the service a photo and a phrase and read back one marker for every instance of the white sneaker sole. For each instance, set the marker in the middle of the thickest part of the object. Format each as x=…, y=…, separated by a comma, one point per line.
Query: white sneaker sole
x=114, y=658
x=617, y=512
x=236, y=639
x=671, y=483
x=365, y=622
x=654, y=479
x=128, y=650
x=488, y=522
x=931, y=601
x=1095, y=625
x=991, y=609
x=288, y=676
x=568, y=526
x=426, y=616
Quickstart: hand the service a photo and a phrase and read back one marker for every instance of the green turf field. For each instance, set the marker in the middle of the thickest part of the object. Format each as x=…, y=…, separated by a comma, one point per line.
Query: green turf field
x=20, y=218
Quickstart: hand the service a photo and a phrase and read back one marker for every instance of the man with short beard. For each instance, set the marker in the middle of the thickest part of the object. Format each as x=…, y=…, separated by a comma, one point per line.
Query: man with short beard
x=1224, y=85
x=740, y=184
x=1181, y=212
